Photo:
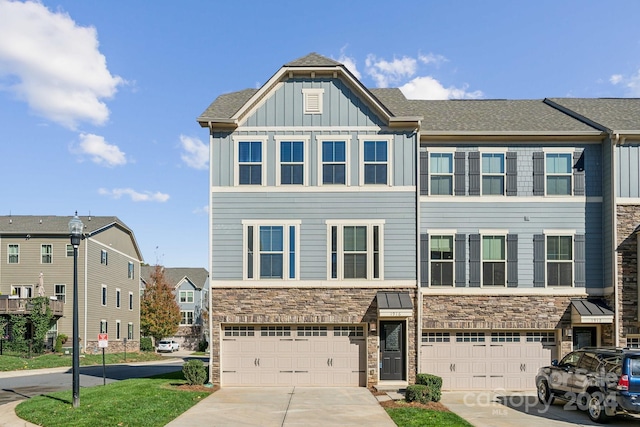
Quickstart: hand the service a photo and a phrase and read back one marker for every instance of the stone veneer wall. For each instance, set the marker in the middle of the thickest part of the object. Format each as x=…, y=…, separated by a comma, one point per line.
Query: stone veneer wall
x=303, y=306
x=527, y=312
x=113, y=347
x=189, y=337
x=628, y=219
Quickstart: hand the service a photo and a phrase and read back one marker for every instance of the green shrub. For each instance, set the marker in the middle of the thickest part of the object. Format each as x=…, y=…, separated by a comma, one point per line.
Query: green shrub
x=418, y=393
x=60, y=339
x=202, y=346
x=194, y=372
x=434, y=383
x=146, y=344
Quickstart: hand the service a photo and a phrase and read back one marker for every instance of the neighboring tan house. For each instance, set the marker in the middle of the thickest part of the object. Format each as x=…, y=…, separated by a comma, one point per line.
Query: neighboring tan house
x=191, y=287
x=36, y=258
x=359, y=238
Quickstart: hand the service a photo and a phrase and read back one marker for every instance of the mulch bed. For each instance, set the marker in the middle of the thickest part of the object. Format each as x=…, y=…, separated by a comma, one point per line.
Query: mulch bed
x=434, y=406
x=200, y=388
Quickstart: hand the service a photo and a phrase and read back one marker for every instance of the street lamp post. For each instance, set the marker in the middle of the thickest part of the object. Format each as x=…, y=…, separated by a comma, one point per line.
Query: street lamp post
x=75, y=231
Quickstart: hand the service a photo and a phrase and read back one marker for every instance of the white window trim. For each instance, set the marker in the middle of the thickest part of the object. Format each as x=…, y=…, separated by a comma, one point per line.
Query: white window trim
x=104, y=291
x=453, y=170
x=118, y=298
x=493, y=233
x=130, y=328
x=365, y=138
x=340, y=247
x=66, y=249
x=56, y=293
x=569, y=174
x=130, y=301
x=494, y=150
x=305, y=165
x=22, y=288
x=118, y=329
x=444, y=233
x=186, y=294
x=308, y=92
x=193, y=318
x=256, y=244
x=106, y=324
x=42, y=254
x=131, y=268
x=560, y=233
x=9, y=253
x=236, y=161
x=104, y=255
x=347, y=157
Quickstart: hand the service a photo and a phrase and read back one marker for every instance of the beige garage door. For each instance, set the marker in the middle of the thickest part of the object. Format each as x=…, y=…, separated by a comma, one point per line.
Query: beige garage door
x=480, y=360
x=293, y=355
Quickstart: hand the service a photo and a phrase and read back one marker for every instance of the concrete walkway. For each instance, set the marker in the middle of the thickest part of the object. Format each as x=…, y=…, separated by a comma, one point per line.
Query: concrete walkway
x=286, y=407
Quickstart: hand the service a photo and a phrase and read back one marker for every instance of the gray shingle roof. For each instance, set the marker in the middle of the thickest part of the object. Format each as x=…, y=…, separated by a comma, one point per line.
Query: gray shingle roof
x=173, y=275
x=225, y=106
x=46, y=224
x=614, y=114
x=313, y=60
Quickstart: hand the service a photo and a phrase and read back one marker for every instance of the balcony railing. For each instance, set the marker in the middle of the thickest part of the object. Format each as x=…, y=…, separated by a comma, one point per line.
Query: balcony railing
x=10, y=305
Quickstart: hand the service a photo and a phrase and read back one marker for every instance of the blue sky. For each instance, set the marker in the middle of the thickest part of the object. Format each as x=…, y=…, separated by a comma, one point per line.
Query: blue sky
x=98, y=99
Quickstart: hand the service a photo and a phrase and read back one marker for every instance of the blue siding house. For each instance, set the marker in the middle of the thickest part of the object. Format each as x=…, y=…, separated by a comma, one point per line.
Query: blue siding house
x=359, y=237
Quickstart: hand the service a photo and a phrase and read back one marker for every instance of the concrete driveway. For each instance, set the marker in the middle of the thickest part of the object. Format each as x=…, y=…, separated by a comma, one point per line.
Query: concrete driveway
x=508, y=409
x=286, y=407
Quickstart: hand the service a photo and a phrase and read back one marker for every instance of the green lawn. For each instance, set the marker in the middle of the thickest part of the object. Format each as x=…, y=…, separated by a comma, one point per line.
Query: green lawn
x=417, y=417
x=13, y=363
x=136, y=402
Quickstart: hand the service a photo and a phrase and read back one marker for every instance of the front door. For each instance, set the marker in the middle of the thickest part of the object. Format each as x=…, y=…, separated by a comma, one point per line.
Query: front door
x=392, y=350
x=584, y=337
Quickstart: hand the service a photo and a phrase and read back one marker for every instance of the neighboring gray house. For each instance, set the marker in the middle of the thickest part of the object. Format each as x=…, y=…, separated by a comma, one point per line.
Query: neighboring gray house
x=36, y=258
x=359, y=238
x=191, y=288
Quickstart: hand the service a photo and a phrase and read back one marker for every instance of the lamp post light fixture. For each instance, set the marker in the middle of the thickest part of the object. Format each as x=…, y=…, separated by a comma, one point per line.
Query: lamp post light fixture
x=75, y=231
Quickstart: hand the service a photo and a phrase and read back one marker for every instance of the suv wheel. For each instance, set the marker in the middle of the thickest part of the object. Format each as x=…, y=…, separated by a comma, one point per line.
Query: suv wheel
x=545, y=396
x=595, y=408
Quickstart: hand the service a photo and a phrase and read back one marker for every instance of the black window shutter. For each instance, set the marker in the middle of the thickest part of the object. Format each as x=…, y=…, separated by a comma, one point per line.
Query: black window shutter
x=539, y=261
x=424, y=173
x=474, y=173
x=459, y=172
x=538, y=173
x=579, y=261
x=512, y=260
x=474, y=260
x=578, y=173
x=512, y=173
x=424, y=259
x=460, y=260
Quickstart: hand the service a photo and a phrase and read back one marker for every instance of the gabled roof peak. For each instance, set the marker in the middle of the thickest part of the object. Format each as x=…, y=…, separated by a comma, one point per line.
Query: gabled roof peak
x=313, y=60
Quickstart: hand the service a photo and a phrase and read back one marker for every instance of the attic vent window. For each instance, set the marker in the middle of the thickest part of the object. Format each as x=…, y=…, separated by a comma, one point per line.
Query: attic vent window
x=313, y=100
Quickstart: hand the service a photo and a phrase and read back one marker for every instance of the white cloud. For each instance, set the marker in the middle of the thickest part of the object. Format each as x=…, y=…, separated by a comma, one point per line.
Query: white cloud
x=430, y=88
x=53, y=64
x=390, y=72
x=631, y=83
x=135, y=196
x=201, y=210
x=196, y=153
x=100, y=151
x=349, y=62
x=432, y=58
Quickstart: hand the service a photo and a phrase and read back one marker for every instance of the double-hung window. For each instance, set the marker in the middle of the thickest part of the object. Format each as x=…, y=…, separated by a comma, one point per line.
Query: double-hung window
x=355, y=250
x=104, y=257
x=130, y=270
x=61, y=292
x=292, y=155
x=186, y=296
x=186, y=317
x=494, y=262
x=441, y=255
x=104, y=326
x=375, y=161
x=250, y=167
x=271, y=250
x=69, y=251
x=441, y=174
x=130, y=331
x=14, y=254
x=334, y=162
x=559, y=260
x=46, y=252
x=493, y=174
x=558, y=169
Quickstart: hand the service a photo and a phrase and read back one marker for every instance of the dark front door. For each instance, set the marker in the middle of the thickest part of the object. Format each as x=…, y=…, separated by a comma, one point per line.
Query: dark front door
x=584, y=337
x=392, y=350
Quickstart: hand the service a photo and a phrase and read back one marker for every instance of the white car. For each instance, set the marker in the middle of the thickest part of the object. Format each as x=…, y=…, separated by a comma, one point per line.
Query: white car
x=168, y=345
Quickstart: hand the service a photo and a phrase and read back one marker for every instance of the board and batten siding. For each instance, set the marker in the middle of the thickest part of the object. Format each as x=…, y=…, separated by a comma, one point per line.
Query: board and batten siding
x=224, y=154
x=628, y=171
x=397, y=208
x=524, y=219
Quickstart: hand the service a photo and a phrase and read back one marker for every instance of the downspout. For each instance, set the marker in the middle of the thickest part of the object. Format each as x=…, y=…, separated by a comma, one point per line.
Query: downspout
x=86, y=249
x=210, y=250
x=418, y=255
x=614, y=227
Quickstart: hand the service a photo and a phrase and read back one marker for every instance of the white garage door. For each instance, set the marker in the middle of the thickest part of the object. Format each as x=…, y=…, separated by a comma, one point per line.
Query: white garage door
x=482, y=360
x=293, y=355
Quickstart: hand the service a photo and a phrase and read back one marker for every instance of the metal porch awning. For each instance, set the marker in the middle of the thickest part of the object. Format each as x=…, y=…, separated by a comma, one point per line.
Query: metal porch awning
x=590, y=311
x=394, y=304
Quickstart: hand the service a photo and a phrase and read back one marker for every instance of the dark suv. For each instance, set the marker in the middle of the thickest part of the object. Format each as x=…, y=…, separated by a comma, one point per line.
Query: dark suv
x=603, y=381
